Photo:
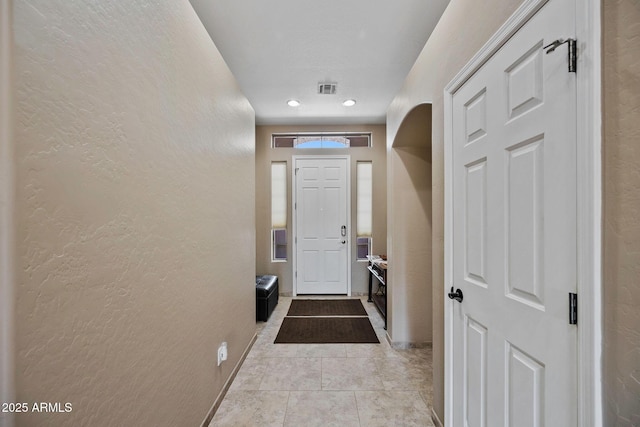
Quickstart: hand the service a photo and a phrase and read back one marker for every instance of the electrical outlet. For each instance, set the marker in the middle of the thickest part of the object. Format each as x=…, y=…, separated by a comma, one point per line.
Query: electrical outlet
x=222, y=353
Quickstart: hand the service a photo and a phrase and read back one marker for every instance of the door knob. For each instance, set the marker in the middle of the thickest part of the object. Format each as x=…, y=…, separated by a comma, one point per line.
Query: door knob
x=344, y=242
x=457, y=295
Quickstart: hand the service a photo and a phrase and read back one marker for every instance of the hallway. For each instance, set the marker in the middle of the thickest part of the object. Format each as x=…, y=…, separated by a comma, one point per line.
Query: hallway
x=136, y=207
x=328, y=384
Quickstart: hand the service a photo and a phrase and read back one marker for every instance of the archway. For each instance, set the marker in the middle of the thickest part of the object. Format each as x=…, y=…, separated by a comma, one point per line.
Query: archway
x=409, y=231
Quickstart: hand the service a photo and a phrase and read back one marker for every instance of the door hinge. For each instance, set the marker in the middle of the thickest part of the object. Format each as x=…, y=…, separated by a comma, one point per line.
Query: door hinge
x=573, y=308
x=296, y=239
x=296, y=274
x=296, y=171
x=572, y=55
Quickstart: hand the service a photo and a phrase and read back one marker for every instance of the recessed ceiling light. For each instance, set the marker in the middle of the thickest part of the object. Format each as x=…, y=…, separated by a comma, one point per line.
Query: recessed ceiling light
x=293, y=103
x=349, y=103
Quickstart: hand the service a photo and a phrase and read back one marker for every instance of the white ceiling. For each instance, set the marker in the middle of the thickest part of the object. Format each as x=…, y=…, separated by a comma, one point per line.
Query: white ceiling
x=281, y=49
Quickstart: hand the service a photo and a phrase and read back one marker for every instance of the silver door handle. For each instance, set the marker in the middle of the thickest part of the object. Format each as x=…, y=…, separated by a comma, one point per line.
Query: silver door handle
x=344, y=241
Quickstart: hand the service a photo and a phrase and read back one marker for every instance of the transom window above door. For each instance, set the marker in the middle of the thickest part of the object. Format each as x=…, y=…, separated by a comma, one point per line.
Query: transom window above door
x=323, y=140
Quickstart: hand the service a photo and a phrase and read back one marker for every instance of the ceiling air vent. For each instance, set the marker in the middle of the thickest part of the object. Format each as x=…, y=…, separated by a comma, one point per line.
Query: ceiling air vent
x=327, y=88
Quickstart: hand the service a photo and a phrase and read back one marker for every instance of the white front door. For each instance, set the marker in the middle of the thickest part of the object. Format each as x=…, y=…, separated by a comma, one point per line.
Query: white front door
x=322, y=228
x=514, y=232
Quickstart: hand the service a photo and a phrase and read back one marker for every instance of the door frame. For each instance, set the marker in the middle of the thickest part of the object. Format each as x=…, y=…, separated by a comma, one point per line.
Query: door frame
x=589, y=200
x=294, y=194
x=7, y=324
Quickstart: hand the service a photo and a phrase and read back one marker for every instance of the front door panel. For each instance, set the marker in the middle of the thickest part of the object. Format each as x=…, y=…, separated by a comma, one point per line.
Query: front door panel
x=321, y=211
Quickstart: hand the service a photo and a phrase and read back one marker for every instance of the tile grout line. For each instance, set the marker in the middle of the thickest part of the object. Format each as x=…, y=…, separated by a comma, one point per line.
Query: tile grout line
x=355, y=398
x=321, y=373
x=286, y=409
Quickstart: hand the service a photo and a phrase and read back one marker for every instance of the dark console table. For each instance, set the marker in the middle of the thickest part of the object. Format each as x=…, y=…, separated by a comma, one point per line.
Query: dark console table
x=378, y=276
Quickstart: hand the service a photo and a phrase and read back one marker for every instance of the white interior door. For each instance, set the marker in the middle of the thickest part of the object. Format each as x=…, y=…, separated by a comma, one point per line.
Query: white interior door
x=322, y=227
x=514, y=232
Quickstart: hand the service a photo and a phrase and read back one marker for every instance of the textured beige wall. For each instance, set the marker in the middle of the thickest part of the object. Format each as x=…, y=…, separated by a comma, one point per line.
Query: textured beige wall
x=464, y=27
x=409, y=206
x=621, y=250
x=135, y=213
x=265, y=155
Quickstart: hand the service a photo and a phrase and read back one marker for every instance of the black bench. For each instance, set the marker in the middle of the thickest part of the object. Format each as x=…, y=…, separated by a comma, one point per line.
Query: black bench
x=266, y=296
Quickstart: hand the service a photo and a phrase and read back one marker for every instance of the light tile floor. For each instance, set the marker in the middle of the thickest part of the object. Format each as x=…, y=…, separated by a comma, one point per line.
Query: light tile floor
x=305, y=385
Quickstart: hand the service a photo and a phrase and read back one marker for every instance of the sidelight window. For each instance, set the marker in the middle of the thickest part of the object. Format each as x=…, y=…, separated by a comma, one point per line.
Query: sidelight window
x=364, y=208
x=279, y=211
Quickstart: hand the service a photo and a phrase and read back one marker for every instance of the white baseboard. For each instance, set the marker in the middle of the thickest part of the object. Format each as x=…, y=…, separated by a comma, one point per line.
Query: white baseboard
x=435, y=419
x=353, y=294
x=404, y=345
x=225, y=388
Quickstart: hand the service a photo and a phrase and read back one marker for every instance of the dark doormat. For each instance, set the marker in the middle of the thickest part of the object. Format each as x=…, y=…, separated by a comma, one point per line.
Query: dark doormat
x=326, y=307
x=326, y=330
